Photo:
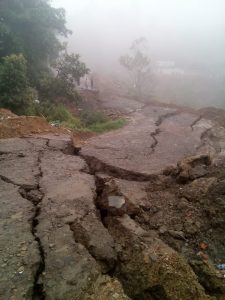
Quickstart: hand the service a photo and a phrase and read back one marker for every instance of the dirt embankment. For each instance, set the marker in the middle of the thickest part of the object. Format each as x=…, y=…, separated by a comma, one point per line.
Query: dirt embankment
x=12, y=125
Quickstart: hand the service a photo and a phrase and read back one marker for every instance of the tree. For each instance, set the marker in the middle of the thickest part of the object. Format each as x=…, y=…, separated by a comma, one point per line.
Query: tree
x=70, y=69
x=31, y=27
x=30, y=44
x=15, y=92
x=138, y=65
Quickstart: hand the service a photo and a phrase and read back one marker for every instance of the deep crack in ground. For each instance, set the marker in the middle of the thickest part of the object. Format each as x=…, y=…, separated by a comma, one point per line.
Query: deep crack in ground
x=35, y=196
x=165, y=116
x=121, y=173
x=153, y=135
x=195, y=122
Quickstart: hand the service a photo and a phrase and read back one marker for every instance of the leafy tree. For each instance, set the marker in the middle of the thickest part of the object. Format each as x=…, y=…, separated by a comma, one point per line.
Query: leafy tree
x=70, y=69
x=15, y=92
x=31, y=27
x=56, y=90
x=138, y=65
x=29, y=49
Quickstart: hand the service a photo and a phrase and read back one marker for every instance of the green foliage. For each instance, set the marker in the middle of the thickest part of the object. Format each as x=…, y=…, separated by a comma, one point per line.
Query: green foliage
x=30, y=27
x=15, y=93
x=62, y=88
x=65, y=117
x=95, y=122
x=60, y=113
x=89, y=118
x=53, y=88
x=99, y=122
x=73, y=123
x=29, y=36
x=70, y=69
x=108, y=125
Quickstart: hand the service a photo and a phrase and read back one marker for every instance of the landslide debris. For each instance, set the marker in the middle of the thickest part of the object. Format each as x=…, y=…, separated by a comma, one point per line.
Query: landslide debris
x=167, y=234
x=153, y=195
x=6, y=113
x=149, y=269
x=12, y=125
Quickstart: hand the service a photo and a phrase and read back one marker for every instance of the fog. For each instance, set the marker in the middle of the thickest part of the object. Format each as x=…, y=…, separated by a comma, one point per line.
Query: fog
x=188, y=32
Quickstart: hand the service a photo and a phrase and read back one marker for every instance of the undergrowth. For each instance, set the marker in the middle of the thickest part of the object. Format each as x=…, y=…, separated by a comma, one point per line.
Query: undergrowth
x=86, y=121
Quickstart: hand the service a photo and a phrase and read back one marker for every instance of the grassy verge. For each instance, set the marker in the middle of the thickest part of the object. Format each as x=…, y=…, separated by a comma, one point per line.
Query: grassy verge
x=108, y=125
x=87, y=121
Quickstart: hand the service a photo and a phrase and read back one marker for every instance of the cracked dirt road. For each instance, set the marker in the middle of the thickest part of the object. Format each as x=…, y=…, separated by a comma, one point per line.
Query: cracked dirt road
x=119, y=220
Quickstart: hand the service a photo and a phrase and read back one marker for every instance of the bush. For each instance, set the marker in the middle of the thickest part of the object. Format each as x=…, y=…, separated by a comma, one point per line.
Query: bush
x=65, y=117
x=73, y=123
x=60, y=113
x=53, y=88
x=89, y=118
x=94, y=122
x=16, y=94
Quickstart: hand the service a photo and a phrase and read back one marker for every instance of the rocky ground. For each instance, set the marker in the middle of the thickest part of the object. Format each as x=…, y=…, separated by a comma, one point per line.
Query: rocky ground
x=138, y=213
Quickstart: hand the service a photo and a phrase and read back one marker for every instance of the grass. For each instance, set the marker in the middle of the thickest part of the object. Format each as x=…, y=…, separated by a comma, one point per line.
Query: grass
x=88, y=121
x=108, y=125
x=72, y=123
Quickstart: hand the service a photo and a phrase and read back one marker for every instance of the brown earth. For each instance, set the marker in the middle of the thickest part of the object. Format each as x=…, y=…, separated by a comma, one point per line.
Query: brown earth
x=17, y=126
x=137, y=213
x=5, y=114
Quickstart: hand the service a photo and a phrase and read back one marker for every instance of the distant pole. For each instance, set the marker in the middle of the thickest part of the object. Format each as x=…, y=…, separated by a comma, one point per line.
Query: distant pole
x=86, y=83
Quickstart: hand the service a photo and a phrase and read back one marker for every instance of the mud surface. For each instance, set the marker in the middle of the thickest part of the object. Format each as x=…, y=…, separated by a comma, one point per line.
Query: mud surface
x=18, y=126
x=136, y=213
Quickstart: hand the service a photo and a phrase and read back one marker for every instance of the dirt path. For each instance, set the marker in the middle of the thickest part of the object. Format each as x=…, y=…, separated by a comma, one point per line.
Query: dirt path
x=120, y=219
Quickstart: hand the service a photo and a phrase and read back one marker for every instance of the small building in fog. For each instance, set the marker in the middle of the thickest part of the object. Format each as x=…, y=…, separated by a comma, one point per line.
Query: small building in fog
x=168, y=68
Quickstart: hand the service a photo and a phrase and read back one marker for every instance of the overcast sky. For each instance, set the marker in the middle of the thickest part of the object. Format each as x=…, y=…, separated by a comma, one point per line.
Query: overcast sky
x=187, y=31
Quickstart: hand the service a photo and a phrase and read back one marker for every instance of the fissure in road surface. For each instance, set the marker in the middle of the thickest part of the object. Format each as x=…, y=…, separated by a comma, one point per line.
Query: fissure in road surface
x=195, y=122
x=155, y=143
x=35, y=196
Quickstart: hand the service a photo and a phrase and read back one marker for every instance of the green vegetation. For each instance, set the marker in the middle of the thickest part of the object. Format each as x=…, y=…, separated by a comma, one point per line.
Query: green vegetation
x=87, y=121
x=70, y=69
x=108, y=125
x=37, y=74
x=34, y=63
x=16, y=94
x=89, y=118
x=32, y=27
x=98, y=122
x=66, y=119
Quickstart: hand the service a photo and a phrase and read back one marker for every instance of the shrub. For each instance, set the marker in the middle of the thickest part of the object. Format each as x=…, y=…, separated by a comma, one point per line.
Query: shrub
x=16, y=94
x=88, y=118
x=53, y=88
x=60, y=113
x=65, y=117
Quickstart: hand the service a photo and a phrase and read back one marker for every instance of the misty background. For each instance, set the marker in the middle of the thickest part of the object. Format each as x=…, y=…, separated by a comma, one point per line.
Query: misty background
x=186, y=43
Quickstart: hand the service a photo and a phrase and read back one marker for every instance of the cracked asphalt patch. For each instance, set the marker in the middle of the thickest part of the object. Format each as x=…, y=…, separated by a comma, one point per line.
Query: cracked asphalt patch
x=156, y=138
x=44, y=194
x=18, y=248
